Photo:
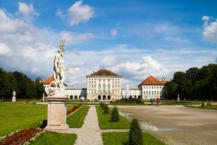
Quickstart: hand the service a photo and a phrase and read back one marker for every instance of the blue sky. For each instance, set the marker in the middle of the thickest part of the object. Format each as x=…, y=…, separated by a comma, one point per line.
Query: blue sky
x=132, y=38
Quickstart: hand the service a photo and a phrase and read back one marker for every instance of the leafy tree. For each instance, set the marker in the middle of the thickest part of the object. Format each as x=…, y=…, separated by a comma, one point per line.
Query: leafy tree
x=24, y=86
x=194, y=84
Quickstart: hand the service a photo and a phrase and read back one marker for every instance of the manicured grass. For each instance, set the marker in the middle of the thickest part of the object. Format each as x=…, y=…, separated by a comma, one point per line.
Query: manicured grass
x=105, y=121
x=14, y=116
x=121, y=138
x=52, y=138
x=212, y=107
x=76, y=120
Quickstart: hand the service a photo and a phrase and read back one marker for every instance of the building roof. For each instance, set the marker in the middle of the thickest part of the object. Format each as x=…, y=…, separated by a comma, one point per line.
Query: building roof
x=163, y=82
x=103, y=72
x=48, y=81
x=151, y=81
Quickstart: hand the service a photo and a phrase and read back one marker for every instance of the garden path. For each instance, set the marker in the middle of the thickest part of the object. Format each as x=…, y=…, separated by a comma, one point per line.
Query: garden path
x=90, y=133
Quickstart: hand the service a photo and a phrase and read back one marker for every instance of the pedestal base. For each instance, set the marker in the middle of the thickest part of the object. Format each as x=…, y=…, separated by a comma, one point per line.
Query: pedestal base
x=13, y=99
x=56, y=113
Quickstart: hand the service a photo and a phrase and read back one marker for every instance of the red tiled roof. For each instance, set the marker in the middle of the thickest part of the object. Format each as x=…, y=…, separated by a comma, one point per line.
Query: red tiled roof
x=48, y=81
x=151, y=81
x=103, y=72
x=163, y=82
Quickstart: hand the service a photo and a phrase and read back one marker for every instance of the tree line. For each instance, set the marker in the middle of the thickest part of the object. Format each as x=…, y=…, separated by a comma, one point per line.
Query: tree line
x=194, y=84
x=25, y=87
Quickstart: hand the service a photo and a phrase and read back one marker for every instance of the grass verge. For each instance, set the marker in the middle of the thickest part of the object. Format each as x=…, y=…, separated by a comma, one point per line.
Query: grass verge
x=76, y=120
x=52, y=138
x=121, y=138
x=105, y=122
x=14, y=116
x=212, y=107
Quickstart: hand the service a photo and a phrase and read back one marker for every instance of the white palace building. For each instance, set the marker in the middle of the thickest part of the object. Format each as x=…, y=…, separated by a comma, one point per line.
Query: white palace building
x=106, y=85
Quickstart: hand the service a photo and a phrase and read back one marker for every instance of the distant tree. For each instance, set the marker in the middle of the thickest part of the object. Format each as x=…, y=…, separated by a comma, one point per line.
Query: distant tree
x=39, y=88
x=195, y=84
x=24, y=86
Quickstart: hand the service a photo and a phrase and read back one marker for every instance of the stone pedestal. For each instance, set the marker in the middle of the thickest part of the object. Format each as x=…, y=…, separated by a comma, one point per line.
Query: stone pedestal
x=13, y=99
x=56, y=118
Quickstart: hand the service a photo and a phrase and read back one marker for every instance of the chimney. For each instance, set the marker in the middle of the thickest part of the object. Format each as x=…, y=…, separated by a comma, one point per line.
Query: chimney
x=163, y=79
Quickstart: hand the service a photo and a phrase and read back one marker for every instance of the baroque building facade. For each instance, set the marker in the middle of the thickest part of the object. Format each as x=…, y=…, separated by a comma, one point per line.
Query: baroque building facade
x=104, y=85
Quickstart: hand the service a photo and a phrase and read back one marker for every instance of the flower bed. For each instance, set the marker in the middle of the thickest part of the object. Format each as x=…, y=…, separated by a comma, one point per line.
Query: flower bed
x=20, y=137
x=73, y=109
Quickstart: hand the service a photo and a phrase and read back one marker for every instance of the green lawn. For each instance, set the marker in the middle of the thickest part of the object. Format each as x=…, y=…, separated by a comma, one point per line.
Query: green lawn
x=52, y=138
x=205, y=107
x=76, y=120
x=14, y=116
x=121, y=138
x=105, y=123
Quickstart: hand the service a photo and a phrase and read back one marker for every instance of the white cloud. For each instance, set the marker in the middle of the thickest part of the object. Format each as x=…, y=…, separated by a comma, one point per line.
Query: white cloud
x=113, y=32
x=205, y=18
x=4, y=50
x=108, y=61
x=27, y=11
x=210, y=29
x=176, y=39
x=26, y=48
x=76, y=38
x=77, y=13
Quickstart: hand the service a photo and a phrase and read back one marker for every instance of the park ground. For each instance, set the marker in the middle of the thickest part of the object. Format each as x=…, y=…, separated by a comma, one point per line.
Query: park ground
x=177, y=124
x=170, y=124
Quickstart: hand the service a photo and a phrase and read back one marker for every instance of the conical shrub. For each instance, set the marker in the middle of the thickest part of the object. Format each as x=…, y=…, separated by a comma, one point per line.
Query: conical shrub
x=106, y=109
x=115, y=115
x=135, y=135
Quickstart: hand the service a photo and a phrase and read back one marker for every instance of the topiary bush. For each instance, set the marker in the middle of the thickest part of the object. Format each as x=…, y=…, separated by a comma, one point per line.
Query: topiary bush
x=115, y=115
x=135, y=135
x=106, y=109
x=202, y=104
x=102, y=105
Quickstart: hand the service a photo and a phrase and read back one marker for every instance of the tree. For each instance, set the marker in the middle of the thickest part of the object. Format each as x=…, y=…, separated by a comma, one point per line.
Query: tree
x=135, y=135
x=196, y=83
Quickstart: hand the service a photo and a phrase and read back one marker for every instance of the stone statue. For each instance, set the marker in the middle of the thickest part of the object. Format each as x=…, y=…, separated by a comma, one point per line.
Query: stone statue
x=59, y=73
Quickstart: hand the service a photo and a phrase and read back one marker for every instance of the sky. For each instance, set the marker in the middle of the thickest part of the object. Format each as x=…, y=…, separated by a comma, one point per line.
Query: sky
x=134, y=39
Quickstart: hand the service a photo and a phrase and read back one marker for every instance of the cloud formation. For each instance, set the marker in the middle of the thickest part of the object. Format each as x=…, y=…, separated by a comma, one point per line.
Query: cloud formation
x=210, y=29
x=27, y=11
x=75, y=38
x=113, y=32
x=77, y=13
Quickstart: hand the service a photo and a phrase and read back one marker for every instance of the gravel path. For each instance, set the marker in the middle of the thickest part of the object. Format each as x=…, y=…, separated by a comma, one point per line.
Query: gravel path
x=90, y=133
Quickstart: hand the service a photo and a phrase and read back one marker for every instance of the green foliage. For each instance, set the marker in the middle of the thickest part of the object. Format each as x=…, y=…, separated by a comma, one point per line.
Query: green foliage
x=14, y=116
x=106, y=123
x=102, y=105
x=24, y=86
x=121, y=138
x=76, y=120
x=202, y=104
x=53, y=138
x=194, y=84
x=135, y=135
x=208, y=103
x=115, y=115
x=106, y=109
